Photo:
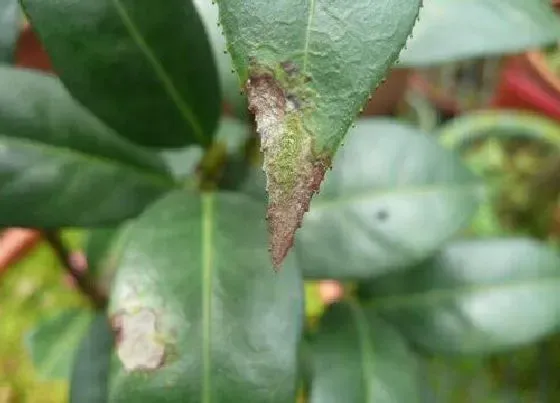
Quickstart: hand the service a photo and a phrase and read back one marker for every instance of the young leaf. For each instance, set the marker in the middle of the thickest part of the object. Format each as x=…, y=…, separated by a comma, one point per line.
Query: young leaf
x=475, y=296
x=90, y=372
x=53, y=342
x=393, y=197
x=9, y=29
x=452, y=30
x=62, y=164
x=199, y=313
x=357, y=357
x=308, y=67
x=145, y=68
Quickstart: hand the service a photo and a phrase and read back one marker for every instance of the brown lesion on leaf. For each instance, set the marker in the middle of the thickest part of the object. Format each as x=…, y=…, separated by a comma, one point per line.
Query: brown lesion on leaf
x=138, y=344
x=294, y=172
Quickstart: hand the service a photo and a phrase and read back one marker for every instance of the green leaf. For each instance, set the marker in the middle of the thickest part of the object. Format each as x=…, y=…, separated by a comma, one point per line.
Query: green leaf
x=467, y=129
x=228, y=79
x=103, y=248
x=183, y=162
x=9, y=29
x=200, y=314
x=452, y=30
x=53, y=341
x=90, y=372
x=145, y=69
x=475, y=296
x=461, y=379
x=393, y=197
x=62, y=164
x=308, y=67
x=357, y=357
x=98, y=244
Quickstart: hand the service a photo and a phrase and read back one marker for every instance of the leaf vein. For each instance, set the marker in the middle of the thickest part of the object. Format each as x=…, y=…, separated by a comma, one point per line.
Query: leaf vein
x=162, y=75
x=207, y=235
x=308, y=34
x=366, y=347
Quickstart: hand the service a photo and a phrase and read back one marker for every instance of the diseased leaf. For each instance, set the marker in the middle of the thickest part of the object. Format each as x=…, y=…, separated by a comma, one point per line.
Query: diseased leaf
x=9, y=29
x=200, y=315
x=53, y=342
x=308, y=67
x=475, y=296
x=452, y=30
x=90, y=372
x=393, y=197
x=357, y=357
x=144, y=68
x=60, y=166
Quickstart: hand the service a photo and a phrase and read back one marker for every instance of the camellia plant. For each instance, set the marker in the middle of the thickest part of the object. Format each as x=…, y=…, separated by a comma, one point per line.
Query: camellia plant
x=196, y=269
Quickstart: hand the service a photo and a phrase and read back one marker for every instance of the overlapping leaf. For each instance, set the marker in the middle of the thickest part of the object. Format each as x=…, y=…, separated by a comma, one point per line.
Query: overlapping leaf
x=60, y=166
x=146, y=69
x=90, y=371
x=451, y=30
x=475, y=296
x=9, y=29
x=228, y=79
x=393, y=197
x=357, y=357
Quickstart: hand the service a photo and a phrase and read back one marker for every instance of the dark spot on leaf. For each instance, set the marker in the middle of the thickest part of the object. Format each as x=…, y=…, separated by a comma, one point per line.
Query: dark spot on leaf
x=292, y=103
x=382, y=215
x=290, y=67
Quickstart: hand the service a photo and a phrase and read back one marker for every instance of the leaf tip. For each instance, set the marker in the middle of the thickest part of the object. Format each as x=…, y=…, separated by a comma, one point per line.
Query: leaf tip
x=294, y=172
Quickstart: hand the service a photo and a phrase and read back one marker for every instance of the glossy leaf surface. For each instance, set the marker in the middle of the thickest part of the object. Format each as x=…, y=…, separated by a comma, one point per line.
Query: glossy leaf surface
x=60, y=166
x=145, y=68
x=90, y=372
x=452, y=30
x=393, y=197
x=475, y=296
x=357, y=358
x=9, y=29
x=200, y=314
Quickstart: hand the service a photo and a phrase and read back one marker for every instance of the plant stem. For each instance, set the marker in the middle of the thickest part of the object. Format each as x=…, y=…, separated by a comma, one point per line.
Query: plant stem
x=83, y=281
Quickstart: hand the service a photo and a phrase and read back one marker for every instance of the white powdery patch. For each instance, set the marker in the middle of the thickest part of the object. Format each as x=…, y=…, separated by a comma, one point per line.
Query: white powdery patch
x=138, y=346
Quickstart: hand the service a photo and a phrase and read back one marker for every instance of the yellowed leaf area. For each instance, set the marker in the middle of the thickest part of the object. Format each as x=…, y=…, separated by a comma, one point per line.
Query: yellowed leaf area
x=32, y=289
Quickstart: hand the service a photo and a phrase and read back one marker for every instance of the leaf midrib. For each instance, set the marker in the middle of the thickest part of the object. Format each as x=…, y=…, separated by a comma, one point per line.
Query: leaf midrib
x=435, y=296
x=364, y=339
x=160, y=72
x=159, y=180
x=207, y=261
x=311, y=14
